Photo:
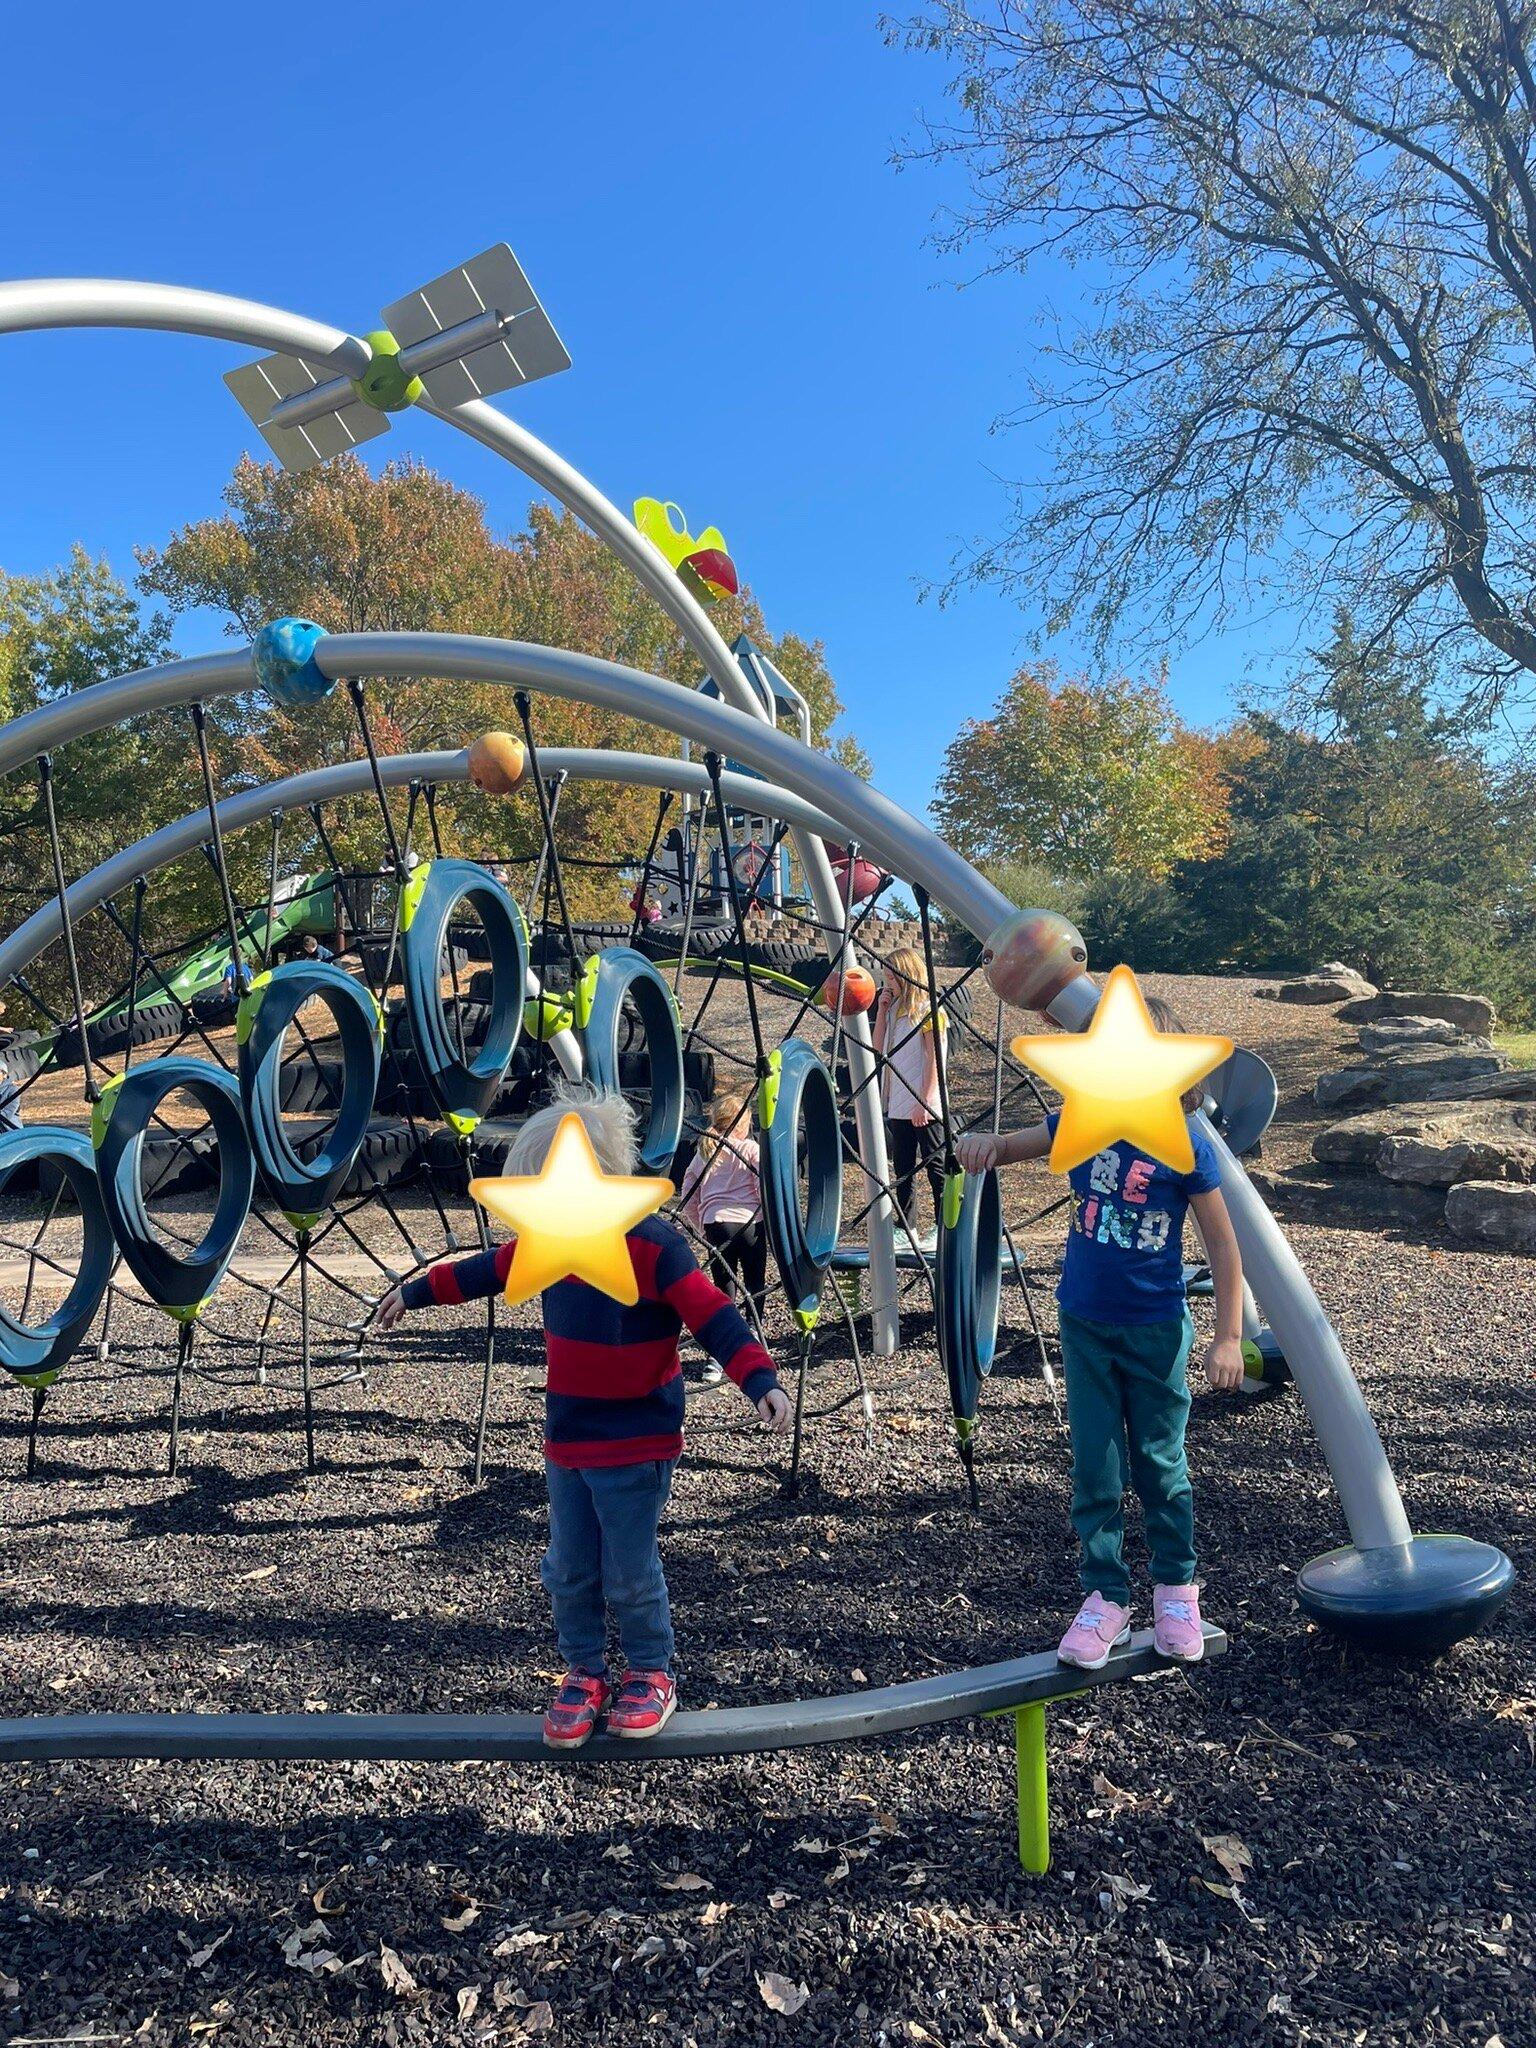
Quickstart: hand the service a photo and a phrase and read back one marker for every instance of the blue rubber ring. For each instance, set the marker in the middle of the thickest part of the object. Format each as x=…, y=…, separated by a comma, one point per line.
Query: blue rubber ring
x=623, y=974
x=36, y=1353
x=177, y=1281
x=804, y=1123
x=304, y=1188
x=462, y=1089
x=969, y=1266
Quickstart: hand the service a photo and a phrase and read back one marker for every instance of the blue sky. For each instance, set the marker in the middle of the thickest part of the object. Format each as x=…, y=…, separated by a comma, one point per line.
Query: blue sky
x=705, y=200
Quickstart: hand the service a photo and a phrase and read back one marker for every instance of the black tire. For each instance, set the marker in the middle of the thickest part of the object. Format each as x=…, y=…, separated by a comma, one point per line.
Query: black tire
x=310, y=1087
x=20, y=1061
x=698, y=1073
x=386, y=1158
x=664, y=942
x=216, y=1009
x=959, y=1003
x=151, y=1023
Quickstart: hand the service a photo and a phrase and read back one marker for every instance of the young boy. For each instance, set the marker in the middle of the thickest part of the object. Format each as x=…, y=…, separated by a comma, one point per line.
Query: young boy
x=1125, y=1342
x=613, y=1431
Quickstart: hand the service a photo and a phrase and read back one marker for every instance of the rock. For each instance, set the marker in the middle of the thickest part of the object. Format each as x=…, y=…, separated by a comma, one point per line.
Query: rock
x=1344, y=973
x=1323, y=988
x=1407, y=1078
x=1355, y=1202
x=1352, y=1146
x=1468, y=1013
x=1401, y=1032
x=1489, y=1142
x=1493, y=1212
x=1519, y=1085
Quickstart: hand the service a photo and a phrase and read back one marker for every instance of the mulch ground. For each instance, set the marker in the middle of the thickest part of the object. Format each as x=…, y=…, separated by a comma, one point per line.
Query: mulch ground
x=1294, y=1843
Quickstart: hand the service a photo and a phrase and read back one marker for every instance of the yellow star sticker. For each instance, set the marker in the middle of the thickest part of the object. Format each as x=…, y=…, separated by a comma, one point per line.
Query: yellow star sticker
x=571, y=1219
x=1122, y=1079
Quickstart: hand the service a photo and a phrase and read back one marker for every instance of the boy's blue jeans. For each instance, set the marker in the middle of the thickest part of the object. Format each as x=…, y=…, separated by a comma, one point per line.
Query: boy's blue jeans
x=1127, y=1404
x=603, y=1555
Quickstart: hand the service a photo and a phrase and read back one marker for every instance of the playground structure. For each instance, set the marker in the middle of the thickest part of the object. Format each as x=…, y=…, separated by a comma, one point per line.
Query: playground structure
x=555, y=999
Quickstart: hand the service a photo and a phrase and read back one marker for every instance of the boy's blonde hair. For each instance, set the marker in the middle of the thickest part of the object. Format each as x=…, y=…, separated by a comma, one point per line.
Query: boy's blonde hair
x=608, y=1120
x=1167, y=1018
x=906, y=981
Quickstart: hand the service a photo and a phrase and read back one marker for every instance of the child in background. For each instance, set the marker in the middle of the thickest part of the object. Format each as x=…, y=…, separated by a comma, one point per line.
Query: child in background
x=613, y=1431
x=903, y=1034
x=723, y=1200
x=1125, y=1342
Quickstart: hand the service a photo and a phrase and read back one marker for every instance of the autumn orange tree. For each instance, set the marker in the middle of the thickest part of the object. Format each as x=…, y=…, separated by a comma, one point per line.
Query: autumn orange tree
x=1080, y=775
x=407, y=550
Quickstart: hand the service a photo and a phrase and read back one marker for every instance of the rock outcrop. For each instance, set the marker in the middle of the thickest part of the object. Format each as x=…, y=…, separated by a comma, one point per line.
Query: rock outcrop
x=1406, y=1078
x=1495, y=1213
x=1474, y=1014
x=1324, y=988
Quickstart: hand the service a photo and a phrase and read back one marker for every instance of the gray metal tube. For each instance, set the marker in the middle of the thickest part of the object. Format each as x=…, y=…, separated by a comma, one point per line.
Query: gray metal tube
x=28, y=303
x=1368, y=1493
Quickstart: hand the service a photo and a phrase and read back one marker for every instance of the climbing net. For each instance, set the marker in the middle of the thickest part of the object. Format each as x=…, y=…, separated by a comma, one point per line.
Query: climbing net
x=267, y=1121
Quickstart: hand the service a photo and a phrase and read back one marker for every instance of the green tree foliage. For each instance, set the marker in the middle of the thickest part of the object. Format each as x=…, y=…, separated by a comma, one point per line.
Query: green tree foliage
x=1080, y=775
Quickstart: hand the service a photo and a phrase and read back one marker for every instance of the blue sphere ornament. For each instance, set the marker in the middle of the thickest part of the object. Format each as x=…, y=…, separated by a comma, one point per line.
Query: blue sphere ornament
x=284, y=653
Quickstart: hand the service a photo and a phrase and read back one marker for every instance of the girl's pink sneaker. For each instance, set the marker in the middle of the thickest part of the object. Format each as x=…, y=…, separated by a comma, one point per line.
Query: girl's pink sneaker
x=1176, y=1623
x=1100, y=1627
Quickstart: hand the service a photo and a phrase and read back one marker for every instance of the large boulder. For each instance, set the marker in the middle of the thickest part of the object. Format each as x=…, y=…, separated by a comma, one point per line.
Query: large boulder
x=1475, y=1014
x=1352, y=1146
x=1493, y=1212
x=1518, y=1085
x=1353, y=1202
x=1408, y=1034
x=1323, y=988
x=1407, y=1078
x=1487, y=1141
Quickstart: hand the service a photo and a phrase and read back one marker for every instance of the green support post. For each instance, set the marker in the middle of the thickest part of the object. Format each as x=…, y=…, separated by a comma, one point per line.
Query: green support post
x=1034, y=1788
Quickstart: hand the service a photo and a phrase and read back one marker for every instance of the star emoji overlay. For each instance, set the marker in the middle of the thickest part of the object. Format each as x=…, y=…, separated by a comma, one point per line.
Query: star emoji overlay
x=1121, y=1079
x=571, y=1219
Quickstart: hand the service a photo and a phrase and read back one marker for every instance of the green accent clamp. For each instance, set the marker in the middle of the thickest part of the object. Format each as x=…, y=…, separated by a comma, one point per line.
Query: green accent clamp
x=460, y=1123
x=585, y=992
x=250, y=1003
x=384, y=385
x=768, y=1091
x=101, y=1110
x=954, y=1196
x=410, y=895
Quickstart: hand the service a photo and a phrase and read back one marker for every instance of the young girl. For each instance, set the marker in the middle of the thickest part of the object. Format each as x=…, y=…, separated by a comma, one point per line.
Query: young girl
x=903, y=1033
x=613, y=1431
x=1125, y=1343
x=723, y=1200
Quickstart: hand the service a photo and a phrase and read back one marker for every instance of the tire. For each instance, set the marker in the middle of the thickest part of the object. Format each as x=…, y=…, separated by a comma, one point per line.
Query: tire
x=310, y=1087
x=661, y=942
x=698, y=1073
x=151, y=1023
x=20, y=1061
x=386, y=1158
x=959, y=1003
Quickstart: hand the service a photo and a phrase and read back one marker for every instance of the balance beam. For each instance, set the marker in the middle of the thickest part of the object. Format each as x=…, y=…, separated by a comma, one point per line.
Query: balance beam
x=1022, y=1686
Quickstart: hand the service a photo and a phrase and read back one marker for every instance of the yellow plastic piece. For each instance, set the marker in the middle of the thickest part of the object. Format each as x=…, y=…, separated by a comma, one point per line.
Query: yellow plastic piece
x=1033, y=1788
x=410, y=895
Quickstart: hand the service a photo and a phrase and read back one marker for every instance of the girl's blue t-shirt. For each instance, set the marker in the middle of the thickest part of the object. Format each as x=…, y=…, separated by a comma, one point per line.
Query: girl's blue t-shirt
x=1125, y=1247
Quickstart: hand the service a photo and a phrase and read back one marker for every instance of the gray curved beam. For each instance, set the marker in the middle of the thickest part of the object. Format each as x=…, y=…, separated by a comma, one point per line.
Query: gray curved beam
x=64, y=302
x=518, y=1738
x=18, y=949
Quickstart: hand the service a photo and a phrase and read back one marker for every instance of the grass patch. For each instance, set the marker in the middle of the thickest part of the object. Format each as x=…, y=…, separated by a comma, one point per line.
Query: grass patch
x=1520, y=1045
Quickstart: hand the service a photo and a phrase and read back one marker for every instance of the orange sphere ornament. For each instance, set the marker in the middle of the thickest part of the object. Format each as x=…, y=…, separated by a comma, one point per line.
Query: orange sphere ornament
x=851, y=993
x=498, y=762
x=1032, y=958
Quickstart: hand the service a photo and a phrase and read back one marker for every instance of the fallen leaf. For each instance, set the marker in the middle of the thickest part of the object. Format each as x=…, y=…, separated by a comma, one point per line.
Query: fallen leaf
x=653, y=1947
x=525, y=1937
x=539, y=2018
x=686, y=1881
x=780, y=1994
x=837, y=1873
x=1235, y=1858
x=265, y=1571
x=201, y=1957
x=397, y=1978
x=1113, y=1799
x=467, y=1999
x=779, y=1900
x=455, y=1923
x=617, y=1852
x=322, y=1905
x=715, y=1912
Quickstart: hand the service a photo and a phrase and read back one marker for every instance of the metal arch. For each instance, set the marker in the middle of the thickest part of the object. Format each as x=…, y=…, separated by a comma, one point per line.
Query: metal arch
x=29, y=304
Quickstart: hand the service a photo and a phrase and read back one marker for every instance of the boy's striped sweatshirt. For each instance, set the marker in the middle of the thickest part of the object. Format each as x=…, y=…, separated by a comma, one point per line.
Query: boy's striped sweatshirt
x=614, y=1394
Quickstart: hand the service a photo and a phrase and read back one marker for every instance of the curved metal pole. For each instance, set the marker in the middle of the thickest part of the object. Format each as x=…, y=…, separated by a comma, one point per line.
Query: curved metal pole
x=28, y=303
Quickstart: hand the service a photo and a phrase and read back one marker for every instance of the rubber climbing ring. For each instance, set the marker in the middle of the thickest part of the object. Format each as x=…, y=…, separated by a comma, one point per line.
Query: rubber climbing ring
x=609, y=980
x=970, y=1277
x=36, y=1353
x=797, y=1119
x=463, y=1088
x=178, y=1281
x=305, y=1188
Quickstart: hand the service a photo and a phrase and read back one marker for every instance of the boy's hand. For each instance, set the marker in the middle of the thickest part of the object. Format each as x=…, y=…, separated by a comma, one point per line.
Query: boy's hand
x=978, y=1151
x=1224, y=1365
x=920, y=1117
x=776, y=1409
x=390, y=1310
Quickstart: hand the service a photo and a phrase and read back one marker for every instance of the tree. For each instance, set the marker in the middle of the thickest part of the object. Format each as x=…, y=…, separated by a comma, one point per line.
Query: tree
x=1372, y=831
x=1081, y=775
x=408, y=550
x=1312, y=365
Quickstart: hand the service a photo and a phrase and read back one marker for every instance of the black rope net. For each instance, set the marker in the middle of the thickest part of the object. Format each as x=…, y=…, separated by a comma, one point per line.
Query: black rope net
x=703, y=897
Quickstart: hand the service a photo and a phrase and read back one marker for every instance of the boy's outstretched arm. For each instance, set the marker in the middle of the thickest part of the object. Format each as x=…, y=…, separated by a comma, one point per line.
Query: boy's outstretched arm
x=722, y=1329
x=450, y=1281
x=979, y=1150
x=1224, y=1354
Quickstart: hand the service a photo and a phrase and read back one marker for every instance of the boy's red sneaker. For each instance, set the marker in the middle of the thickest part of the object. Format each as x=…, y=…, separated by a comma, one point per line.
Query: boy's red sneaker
x=575, y=1710
x=643, y=1704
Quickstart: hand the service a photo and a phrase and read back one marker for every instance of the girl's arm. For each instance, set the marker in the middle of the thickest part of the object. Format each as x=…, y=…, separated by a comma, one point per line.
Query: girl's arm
x=978, y=1150
x=1224, y=1354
